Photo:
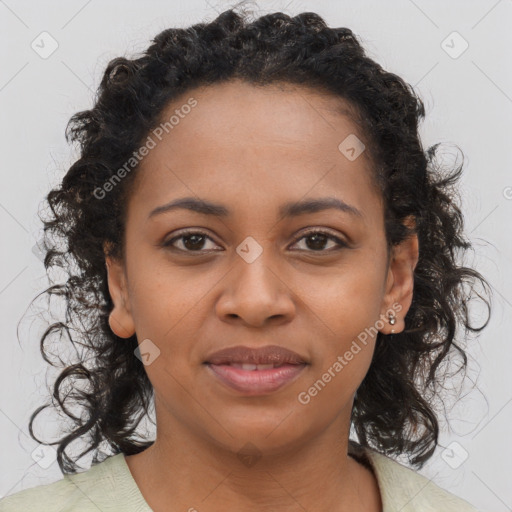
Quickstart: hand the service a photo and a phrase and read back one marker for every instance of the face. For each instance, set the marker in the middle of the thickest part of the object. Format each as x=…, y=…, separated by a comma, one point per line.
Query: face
x=314, y=281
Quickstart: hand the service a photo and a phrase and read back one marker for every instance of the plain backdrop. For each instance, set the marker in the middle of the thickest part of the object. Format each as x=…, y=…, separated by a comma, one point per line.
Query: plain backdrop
x=457, y=56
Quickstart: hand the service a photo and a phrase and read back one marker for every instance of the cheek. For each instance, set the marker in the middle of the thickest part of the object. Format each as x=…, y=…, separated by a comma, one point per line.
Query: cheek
x=341, y=361
x=169, y=306
x=347, y=298
x=161, y=297
x=345, y=308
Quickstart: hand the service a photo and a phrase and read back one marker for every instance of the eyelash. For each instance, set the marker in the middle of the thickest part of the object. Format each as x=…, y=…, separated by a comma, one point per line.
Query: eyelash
x=307, y=234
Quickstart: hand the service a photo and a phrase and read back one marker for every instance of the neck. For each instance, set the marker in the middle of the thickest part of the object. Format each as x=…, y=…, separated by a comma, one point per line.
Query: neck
x=184, y=471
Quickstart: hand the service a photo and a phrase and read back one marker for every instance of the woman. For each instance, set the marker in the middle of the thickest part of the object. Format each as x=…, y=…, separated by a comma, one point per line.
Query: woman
x=257, y=241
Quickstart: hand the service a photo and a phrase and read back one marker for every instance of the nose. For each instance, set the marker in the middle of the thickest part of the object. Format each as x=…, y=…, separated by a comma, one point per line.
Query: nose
x=255, y=294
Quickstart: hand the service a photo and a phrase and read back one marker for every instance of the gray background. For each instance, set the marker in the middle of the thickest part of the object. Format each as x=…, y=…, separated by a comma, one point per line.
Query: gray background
x=468, y=98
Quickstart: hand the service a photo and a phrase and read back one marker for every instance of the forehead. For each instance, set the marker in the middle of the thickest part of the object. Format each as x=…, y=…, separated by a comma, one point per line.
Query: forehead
x=248, y=114
x=259, y=142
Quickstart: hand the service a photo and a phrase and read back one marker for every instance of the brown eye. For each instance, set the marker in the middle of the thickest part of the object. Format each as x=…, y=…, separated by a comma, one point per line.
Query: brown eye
x=190, y=241
x=317, y=241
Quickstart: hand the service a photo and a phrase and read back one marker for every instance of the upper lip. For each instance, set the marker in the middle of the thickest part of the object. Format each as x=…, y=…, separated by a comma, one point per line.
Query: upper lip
x=263, y=355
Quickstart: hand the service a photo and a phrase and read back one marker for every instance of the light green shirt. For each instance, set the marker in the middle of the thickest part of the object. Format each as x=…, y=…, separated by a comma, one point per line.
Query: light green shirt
x=109, y=486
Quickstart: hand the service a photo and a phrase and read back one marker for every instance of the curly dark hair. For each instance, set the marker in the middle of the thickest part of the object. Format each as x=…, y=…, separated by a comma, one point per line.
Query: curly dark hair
x=392, y=409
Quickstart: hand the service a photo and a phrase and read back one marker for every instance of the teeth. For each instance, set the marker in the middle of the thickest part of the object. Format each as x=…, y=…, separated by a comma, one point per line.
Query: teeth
x=248, y=366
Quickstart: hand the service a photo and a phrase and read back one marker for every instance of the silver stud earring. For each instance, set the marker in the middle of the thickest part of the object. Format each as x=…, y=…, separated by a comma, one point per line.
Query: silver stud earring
x=392, y=321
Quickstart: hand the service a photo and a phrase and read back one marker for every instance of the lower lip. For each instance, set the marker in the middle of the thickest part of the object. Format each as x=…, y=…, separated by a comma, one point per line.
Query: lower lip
x=256, y=382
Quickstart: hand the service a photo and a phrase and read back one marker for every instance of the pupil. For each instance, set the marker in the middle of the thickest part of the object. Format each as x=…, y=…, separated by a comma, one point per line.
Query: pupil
x=195, y=241
x=316, y=238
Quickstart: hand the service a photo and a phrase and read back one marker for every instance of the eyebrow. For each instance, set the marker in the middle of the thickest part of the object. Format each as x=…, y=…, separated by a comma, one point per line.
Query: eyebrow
x=291, y=209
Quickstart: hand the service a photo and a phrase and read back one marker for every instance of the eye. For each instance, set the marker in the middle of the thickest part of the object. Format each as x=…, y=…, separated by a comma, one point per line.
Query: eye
x=194, y=241
x=318, y=239
x=191, y=241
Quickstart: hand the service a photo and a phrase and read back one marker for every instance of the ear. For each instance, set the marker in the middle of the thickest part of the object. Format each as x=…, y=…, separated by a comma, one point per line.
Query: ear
x=120, y=319
x=400, y=282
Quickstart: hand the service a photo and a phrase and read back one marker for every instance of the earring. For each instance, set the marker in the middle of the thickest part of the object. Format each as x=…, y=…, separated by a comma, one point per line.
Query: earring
x=392, y=321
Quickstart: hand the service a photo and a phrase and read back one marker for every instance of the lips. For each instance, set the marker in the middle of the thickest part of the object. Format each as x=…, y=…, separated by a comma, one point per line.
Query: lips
x=255, y=371
x=269, y=355
x=256, y=382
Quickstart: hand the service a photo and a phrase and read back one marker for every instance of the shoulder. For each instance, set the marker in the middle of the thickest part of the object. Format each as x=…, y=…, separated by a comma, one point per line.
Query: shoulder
x=404, y=489
x=98, y=488
x=43, y=497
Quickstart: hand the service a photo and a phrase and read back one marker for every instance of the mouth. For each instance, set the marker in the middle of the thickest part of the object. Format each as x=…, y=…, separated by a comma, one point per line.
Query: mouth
x=262, y=358
x=251, y=379
x=255, y=371
x=253, y=367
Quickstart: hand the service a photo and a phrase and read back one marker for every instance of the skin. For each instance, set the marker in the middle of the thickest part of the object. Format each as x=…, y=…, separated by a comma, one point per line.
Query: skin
x=313, y=301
